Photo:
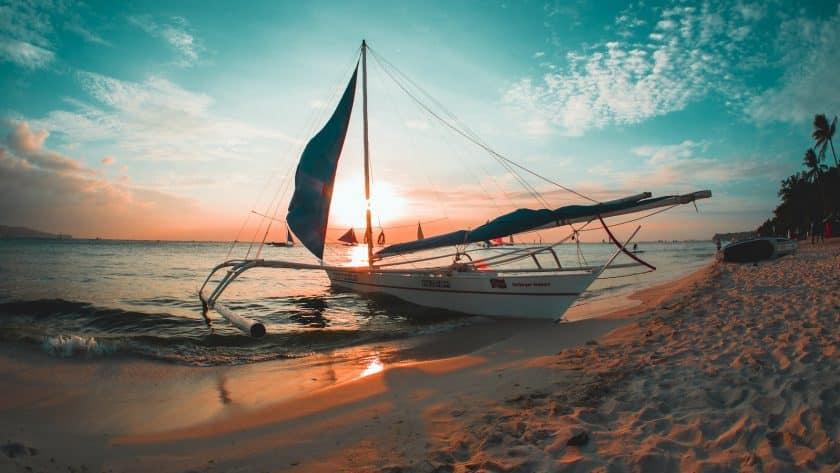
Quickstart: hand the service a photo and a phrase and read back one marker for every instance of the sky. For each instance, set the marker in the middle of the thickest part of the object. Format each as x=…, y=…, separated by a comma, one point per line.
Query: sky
x=176, y=120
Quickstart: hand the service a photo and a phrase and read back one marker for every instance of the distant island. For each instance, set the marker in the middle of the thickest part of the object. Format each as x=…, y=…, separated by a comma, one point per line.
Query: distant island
x=23, y=232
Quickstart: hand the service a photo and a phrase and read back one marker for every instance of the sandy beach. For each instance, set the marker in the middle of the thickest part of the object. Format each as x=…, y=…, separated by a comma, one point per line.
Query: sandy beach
x=733, y=368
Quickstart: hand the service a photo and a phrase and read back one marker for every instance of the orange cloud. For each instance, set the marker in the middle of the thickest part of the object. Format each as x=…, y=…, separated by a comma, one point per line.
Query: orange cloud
x=29, y=146
x=44, y=189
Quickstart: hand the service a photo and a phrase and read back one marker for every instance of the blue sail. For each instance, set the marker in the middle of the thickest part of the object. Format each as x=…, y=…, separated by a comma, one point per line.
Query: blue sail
x=522, y=220
x=309, y=208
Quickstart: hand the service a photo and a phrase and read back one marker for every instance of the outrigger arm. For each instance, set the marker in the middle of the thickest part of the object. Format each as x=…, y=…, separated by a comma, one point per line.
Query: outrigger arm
x=235, y=268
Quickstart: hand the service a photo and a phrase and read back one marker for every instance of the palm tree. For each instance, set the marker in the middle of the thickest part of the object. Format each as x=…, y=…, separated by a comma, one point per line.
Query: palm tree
x=814, y=171
x=823, y=133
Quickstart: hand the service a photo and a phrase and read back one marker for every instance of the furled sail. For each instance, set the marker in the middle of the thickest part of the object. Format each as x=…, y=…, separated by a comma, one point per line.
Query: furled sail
x=349, y=237
x=309, y=207
x=523, y=220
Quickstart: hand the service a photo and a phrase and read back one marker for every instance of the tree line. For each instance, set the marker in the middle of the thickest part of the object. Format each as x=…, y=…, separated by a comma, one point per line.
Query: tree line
x=811, y=196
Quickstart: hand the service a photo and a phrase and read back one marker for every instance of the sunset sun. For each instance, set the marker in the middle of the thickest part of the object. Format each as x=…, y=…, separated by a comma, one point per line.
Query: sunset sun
x=348, y=204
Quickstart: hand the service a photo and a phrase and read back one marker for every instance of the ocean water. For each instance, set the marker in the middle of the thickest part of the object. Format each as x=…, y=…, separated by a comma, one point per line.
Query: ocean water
x=101, y=298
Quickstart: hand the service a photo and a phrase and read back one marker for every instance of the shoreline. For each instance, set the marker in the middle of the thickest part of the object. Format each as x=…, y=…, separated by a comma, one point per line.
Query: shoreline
x=485, y=394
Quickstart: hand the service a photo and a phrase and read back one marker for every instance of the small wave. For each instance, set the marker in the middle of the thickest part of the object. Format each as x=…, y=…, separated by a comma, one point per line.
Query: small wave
x=66, y=346
x=66, y=316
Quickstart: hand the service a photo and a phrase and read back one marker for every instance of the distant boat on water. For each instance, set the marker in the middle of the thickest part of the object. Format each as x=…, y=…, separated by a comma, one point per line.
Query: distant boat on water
x=757, y=249
x=349, y=238
x=284, y=244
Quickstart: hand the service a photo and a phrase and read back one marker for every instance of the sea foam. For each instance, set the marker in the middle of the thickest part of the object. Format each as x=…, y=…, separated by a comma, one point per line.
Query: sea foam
x=71, y=345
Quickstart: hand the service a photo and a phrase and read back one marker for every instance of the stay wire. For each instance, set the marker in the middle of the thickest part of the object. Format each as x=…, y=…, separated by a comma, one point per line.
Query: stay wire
x=502, y=160
x=379, y=63
x=469, y=134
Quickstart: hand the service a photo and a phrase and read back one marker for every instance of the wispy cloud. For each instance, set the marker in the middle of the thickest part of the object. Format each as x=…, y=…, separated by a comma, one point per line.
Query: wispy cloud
x=76, y=27
x=28, y=30
x=25, y=30
x=154, y=120
x=43, y=188
x=650, y=68
x=687, y=165
x=175, y=31
x=25, y=54
x=812, y=67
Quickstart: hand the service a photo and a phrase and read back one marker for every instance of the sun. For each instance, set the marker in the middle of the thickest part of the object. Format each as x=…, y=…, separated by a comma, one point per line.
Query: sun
x=348, y=204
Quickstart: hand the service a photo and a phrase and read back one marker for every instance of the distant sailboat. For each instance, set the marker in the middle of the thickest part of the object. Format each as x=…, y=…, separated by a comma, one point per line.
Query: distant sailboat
x=480, y=286
x=349, y=237
x=380, y=239
x=288, y=243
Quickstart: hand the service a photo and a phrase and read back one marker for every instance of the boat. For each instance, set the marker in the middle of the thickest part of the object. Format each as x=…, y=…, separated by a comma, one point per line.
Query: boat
x=757, y=249
x=467, y=281
x=380, y=239
x=349, y=238
x=284, y=244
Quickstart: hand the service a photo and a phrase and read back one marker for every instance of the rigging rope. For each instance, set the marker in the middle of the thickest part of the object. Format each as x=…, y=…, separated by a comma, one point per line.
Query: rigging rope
x=468, y=134
x=437, y=193
x=534, y=193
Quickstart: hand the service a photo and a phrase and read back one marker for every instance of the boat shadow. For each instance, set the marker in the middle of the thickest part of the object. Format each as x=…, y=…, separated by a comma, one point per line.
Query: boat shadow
x=385, y=305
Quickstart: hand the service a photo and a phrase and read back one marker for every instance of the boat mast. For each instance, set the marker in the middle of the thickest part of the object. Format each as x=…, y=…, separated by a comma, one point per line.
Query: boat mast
x=368, y=230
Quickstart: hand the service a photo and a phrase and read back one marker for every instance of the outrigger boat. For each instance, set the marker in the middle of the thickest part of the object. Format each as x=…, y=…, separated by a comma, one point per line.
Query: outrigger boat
x=485, y=286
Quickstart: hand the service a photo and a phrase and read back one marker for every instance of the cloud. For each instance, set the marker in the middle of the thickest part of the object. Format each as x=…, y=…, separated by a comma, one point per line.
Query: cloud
x=28, y=34
x=44, y=189
x=25, y=54
x=175, y=33
x=812, y=66
x=652, y=68
x=28, y=146
x=154, y=120
x=683, y=165
x=25, y=29
x=84, y=33
x=108, y=160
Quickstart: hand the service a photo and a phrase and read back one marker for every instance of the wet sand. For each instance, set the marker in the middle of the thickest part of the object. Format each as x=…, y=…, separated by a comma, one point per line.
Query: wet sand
x=734, y=367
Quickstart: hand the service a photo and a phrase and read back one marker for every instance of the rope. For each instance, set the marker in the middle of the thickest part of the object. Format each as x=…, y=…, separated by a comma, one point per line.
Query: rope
x=468, y=134
x=379, y=62
x=626, y=275
x=536, y=195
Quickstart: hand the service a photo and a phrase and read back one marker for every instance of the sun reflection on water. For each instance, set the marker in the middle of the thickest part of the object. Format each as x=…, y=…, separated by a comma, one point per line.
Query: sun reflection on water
x=374, y=366
x=358, y=255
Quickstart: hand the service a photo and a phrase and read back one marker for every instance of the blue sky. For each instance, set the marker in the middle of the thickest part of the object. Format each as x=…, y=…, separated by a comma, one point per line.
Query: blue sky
x=153, y=120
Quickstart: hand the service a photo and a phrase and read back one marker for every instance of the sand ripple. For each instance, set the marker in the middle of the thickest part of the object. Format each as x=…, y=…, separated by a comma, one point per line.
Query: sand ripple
x=739, y=373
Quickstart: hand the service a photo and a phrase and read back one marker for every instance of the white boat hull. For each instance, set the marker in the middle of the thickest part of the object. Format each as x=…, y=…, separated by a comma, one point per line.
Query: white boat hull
x=489, y=293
